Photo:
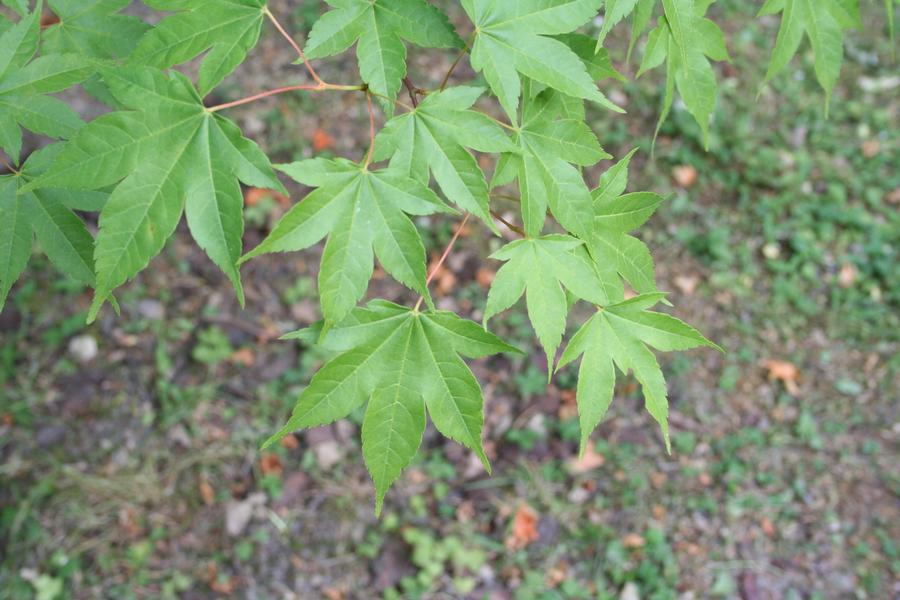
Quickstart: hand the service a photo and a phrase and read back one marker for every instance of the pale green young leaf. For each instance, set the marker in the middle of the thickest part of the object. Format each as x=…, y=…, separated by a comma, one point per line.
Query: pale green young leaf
x=615, y=11
x=821, y=22
x=615, y=214
x=549, y=147
x=405, y=363
x=434, y=138
x=512, y=40
x=685, y=40
x=541, y=268
x=620, y=334
x=379, y=28
x=364, y=214
x=227, y=29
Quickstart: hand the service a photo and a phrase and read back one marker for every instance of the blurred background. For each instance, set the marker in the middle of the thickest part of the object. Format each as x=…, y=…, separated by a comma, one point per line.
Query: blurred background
x=130, y=466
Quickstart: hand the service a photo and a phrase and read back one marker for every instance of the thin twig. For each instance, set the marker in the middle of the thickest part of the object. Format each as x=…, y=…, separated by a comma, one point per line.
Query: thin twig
x=453, y=67
x=443, y=257
x=371, y=128
x=412, y=90
x=295, y=46
x=511, y=226
x=319, y=87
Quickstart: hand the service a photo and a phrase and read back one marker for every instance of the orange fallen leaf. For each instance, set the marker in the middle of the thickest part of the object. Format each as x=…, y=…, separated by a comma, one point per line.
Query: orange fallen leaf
x=870, y=148
x=207, y=493
x=254, y=195
x=588, y=461
x=484, y=277
x=785, y=372
x=847, y=275
x=684, y=175
x=633, y=540
x=290, y=442
x=243, y=356
x=767, y=527
x=524, y=528
x=321, y=140
x=270, y=464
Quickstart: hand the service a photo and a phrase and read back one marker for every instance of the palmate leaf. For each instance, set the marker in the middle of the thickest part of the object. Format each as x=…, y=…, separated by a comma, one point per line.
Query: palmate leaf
x=540, y=268
x=553, y=141
x=619, y=335
x=364, y=214
x=92, y=28
x=167, y=156
x=612, y=249
x=379, y=28
x=434, y=138
x=47, y=214
x=405, y=363
x=24, y=83
x=512, y=39
x=228, y=29
x=685, y=40
x=822, y=21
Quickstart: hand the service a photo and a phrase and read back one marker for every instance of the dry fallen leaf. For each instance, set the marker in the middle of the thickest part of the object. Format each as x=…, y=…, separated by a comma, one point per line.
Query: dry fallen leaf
x=243, y=356
x=254, y=195
x=290, y=442
x=207, y=493
x=847, y=275
x=270, y=464
x=321, y=140
x=767, y=527
x=588, y=461
x=524, y=528
x=687, y=284
x=870, y=148
x=785, y=372
x=633, y=540
x=484, y=277
x=684, y=175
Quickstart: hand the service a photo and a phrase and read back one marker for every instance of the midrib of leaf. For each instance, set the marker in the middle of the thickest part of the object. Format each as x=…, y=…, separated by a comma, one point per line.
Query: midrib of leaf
x=13, y=225
x=474, y=437
x=113, y=150
x=89, y=268
x=175, y=159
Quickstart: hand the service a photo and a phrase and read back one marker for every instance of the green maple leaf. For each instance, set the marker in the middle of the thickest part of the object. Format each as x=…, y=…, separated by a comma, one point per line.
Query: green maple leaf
x=541, y=268
x=92, y=28
x=613, y=250
x=405, y=363
x=228, y=29
x=619, y=335
x=379, y=27
x=513, y=38
x=551, y=140
x=47, y=214
x=614, y=12
x=20, y=6
x=434, y=138
x=822, y=21
x=24, y=84
x=685, y=40
x=168, y=155
x=364, y=214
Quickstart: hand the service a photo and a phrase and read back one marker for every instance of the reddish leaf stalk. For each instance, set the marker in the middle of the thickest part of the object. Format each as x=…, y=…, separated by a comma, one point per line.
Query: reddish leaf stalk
x=320, y=87
x=444, y=256
x=295, y=46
